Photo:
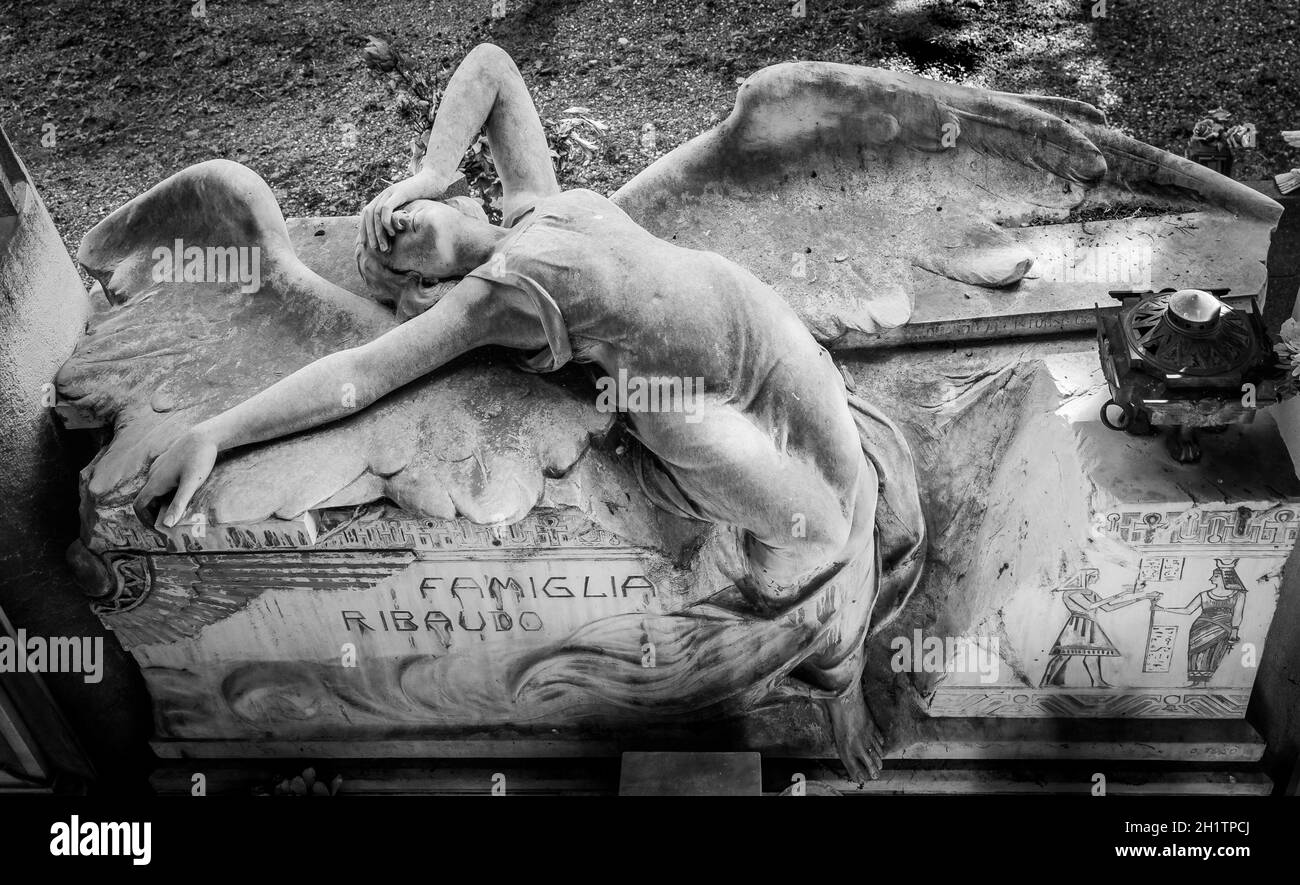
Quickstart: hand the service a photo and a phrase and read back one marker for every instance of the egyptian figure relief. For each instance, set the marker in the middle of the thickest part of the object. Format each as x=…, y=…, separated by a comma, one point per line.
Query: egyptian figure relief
x=1082, y=636
x=1218, y=613
x=1176, y=631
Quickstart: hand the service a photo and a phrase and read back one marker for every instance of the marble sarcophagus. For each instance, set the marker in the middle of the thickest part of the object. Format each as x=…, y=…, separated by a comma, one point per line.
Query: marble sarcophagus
x=474, y=554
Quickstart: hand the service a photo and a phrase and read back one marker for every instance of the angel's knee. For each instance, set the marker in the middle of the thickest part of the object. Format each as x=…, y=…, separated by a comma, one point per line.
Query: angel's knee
x=804, y=540
x=815, y=528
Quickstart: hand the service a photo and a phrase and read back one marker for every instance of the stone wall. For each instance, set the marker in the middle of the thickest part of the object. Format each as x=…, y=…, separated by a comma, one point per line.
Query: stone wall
x=1275, y=708
x=43, y=309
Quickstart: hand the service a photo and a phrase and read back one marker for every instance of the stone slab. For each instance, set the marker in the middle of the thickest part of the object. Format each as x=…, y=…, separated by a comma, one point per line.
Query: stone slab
x=691, y=774
x=1045, y=780
x=987, y=739
x=1075, y=268
x=1233, y=741
x=600, y=777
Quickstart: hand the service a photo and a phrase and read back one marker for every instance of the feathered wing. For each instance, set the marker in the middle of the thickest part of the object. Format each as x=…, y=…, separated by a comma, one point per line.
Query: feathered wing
x=866, y=196
x=476, y=439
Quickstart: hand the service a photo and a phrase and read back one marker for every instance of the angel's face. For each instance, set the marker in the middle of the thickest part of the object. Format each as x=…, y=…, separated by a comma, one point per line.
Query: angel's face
x=430, y=241
x=433, y=241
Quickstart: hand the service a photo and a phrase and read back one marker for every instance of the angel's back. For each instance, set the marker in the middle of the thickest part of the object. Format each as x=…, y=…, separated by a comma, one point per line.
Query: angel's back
x=772, y=438
x=633, y=301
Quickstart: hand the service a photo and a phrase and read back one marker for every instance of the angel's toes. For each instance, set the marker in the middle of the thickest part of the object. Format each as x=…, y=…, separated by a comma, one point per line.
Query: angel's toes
x=862, y=762
x=857, y=739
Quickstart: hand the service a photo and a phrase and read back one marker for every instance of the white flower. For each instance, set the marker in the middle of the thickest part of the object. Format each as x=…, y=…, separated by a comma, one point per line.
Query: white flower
x=1291, y=332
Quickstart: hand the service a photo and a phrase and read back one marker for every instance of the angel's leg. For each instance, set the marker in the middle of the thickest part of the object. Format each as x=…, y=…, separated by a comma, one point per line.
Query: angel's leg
x=797, y=522
x=794, y=522
x=836, y=673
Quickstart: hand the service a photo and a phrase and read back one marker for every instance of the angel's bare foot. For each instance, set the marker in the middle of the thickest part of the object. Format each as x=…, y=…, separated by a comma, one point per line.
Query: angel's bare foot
x=857, y=739
x=1183, y=445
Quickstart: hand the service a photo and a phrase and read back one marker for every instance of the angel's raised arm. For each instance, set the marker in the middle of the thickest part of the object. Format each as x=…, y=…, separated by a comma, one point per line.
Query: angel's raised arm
x=486, y=91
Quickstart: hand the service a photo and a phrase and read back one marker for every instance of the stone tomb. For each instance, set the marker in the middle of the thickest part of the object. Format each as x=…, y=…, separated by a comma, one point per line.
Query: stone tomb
x=345, y=623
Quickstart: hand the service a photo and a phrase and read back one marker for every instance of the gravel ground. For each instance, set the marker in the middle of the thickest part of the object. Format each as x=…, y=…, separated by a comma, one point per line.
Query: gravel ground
x=103, y=100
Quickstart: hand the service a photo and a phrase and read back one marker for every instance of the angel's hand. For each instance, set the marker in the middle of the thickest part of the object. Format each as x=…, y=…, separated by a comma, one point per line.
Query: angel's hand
x=183, y=468
x=377, y=226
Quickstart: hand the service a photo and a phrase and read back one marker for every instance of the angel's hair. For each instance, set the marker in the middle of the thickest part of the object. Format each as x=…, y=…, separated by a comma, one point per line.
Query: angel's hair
x=409, y=293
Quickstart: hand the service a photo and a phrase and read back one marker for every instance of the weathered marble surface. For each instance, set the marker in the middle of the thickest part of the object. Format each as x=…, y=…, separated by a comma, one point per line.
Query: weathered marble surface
x=252, y=644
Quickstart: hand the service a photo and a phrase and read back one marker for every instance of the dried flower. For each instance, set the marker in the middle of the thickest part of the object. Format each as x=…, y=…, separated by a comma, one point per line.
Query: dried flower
x=380, y=55
x=1290, y=332
x=1288, y=349
x=1243, y=135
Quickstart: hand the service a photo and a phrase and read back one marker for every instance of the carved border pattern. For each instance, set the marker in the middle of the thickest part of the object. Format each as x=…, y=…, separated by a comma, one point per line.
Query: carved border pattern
x=1166, y=703
x=201, y=589
x=540, y=530
x=1273, y=528
x=133, y=578
x=371, y=528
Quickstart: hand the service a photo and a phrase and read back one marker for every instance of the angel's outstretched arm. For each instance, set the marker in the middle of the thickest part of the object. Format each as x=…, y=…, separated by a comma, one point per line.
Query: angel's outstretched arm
x=338, y=385
x=486, y=91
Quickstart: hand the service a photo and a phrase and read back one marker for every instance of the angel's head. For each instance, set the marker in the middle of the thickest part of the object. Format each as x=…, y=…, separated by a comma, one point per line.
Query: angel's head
x=434, y=240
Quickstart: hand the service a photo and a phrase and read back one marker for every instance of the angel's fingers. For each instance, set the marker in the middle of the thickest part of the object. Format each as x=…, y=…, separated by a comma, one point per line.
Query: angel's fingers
x=370, y=222
x=377, y=224
x=188, y=486
x=374, y=231
x=365, y=235
x=143, y=505
x=386, y=217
